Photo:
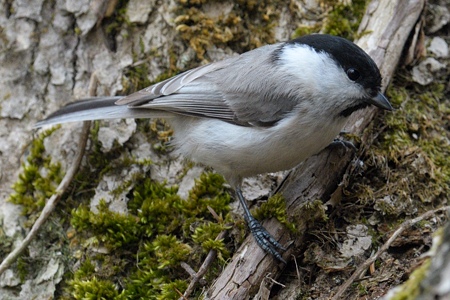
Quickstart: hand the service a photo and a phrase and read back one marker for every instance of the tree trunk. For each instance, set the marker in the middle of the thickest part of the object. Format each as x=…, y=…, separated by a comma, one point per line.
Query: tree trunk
x=49, y=51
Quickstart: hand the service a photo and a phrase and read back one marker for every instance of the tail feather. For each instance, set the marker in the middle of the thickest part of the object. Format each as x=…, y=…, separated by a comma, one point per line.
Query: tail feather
x=97, y=109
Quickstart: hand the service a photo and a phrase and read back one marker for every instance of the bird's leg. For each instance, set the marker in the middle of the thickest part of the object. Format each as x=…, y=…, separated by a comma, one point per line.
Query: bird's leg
x=261, y=235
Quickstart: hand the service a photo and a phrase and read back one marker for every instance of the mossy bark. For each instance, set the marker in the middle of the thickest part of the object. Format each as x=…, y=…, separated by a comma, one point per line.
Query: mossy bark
x=51, y=49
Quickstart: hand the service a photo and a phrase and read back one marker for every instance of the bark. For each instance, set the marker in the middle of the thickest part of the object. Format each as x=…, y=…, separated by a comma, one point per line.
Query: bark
x=51, y=48
x=434, y=284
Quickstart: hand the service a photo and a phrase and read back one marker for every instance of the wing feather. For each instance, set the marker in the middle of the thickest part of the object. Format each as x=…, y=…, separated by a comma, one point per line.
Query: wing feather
x=243, y=90
x=194, y=104
x=248, y=90
x=173, y=84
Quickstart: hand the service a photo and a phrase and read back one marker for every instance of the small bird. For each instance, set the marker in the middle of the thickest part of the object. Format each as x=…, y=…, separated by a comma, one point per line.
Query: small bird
x=263, y=111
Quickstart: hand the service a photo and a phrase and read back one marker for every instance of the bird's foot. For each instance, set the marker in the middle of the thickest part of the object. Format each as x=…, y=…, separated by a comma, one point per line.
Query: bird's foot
x=347, y=144
x=265, y=239
x=261, y=235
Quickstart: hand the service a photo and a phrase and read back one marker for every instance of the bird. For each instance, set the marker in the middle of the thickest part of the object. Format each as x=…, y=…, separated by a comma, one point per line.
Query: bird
x=265, y=110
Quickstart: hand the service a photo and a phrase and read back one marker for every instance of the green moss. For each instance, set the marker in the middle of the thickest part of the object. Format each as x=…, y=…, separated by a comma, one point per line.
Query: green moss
x=339, y=19
x=414, y=145
x=160, y=231
x=135, y=78
x=39, y=178
x=343, y=19
x=305, y=30
x=117, y=20
x=248, y=25
x=207, y=191
x=314, y=211
x=94, y=289
x=168, y=251
x=274, y=207
x=411, y=288
x=6, y=242
x=113, y=229
x=86, y=270
x=23, y=268
x=172, y=290
x=205, y=235
x=157, y=207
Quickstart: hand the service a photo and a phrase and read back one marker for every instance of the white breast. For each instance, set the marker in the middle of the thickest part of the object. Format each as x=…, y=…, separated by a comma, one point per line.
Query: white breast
x=236, y=151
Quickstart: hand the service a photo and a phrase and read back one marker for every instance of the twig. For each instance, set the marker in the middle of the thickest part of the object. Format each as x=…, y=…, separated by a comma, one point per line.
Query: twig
x=383, y=248
x=204, y=267
x=51, y=203
x=192, y=273
x=294, y=258
x=274, y=281
x=54, y=199
x=188, y=269
x=214, y=214
x=197, y=276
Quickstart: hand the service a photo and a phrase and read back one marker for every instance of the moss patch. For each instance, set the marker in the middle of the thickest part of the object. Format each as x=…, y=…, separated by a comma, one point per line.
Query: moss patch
x=39, y=178
x=161, y=231
x=341, y=18
x=274, y=207
x=408, y=164
x=247, y=25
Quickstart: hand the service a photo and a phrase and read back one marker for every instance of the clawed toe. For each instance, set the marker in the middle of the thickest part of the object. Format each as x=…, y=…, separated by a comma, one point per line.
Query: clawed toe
x=346, y=144
x=265, y=239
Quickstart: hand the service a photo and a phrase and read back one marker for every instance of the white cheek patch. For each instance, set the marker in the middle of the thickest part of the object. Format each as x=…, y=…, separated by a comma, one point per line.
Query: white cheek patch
x=305, y=63
x=318, y=73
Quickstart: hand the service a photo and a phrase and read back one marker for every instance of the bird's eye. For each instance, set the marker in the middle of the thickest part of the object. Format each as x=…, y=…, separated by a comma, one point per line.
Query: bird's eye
x=353, y=74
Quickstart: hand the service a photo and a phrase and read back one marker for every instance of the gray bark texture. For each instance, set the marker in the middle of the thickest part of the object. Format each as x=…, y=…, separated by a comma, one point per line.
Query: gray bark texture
x=49, y=51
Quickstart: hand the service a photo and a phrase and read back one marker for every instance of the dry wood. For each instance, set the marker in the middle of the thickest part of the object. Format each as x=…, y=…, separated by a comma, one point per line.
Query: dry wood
x=435, y=283
x=388, y=25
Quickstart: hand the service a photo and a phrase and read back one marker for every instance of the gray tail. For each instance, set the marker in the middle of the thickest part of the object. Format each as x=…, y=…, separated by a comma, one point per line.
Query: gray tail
x=97, y=109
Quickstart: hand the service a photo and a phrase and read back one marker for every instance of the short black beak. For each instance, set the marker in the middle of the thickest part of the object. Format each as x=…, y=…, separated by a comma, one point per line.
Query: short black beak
x=381, y=101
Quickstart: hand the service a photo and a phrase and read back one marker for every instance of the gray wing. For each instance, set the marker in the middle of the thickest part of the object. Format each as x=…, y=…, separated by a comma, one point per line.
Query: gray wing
x=244, y=90
x=186, y=94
